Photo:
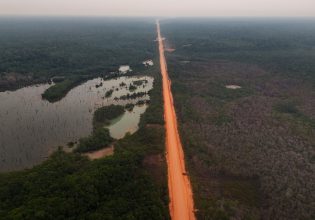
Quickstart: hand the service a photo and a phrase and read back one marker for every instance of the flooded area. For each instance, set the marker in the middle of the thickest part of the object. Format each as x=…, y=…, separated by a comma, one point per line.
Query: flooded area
x=128, y=123
x=170, y=50
x=233, y=87
x=124, y=69
x=185, y=62
x=148, y=63
x=32, y=128
x=187, y=45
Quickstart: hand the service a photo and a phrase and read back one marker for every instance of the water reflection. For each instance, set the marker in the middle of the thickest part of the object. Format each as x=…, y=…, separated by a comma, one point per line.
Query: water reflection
x=128, y=123
x=31, y=128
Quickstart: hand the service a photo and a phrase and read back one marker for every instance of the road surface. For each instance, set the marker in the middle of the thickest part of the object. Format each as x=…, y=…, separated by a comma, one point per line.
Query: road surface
x=181, y=199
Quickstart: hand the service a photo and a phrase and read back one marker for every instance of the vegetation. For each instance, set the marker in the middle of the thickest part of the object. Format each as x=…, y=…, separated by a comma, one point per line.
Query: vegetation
x=281, y=46
x=129, y=107
x=122, y=84
x=104, y=115
x=10, y=81
x=101, y=137
x=70, y=144
x=69, y=186
x=60, y=89
x=132, y=87
x=65, y=47
x=249, y=151
x=287, y=107
x=155, y=113
x=58, y=79
x=133, y=95
x=142, y=102
x=109, y=93
x=290, y=112
x=98, y=140
x=99, y=85
x=140, y=82
x=131, y=184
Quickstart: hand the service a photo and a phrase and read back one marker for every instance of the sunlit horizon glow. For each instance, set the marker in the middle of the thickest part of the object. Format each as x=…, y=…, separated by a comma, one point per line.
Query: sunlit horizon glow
x=177, y=8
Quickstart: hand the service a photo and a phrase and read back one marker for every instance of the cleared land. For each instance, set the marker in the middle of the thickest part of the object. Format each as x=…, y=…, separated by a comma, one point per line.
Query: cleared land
x=181, y=200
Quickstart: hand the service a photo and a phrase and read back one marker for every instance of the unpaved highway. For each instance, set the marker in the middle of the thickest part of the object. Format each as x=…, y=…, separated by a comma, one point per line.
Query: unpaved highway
x=180, y=192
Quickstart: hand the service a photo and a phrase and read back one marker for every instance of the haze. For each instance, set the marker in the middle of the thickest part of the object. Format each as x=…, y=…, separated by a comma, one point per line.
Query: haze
x=289, y=8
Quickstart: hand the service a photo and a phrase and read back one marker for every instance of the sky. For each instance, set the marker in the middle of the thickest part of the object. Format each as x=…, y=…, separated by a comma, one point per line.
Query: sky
x=176, y=8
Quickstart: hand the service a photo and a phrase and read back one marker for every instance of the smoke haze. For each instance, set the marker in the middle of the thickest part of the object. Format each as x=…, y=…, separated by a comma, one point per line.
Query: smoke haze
x=290, y=8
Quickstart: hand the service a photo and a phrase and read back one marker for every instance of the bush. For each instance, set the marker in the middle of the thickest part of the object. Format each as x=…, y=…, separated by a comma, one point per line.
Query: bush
x=98, y=140
x=60, y=90
x=104, y=115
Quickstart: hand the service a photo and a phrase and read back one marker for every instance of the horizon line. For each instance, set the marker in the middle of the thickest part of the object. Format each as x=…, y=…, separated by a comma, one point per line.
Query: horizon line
x=153, y=16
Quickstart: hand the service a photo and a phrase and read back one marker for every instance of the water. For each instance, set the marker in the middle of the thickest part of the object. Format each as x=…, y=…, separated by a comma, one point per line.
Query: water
x=32, y=128
x=148, y=63
x=128, y=123
x=124, y=69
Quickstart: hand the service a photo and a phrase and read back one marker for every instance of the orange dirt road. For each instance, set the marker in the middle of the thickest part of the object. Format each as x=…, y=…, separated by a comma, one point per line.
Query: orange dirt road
x=180, y=193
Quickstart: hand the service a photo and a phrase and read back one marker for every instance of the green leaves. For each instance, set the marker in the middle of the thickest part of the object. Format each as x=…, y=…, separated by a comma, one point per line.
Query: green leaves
x=99, y=139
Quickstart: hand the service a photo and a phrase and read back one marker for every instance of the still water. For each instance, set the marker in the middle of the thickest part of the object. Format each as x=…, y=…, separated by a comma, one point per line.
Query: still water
x=32, y=128
x=128, y=123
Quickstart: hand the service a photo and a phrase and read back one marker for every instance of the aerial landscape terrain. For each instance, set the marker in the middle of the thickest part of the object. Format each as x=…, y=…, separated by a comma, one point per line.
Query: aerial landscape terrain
x=156, y=117
x=130, y=184
x=244, y=93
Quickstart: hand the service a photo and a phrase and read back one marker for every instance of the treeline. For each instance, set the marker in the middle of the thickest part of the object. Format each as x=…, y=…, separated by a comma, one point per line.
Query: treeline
x=99, y=139
x=133, y=95
x=69, y=186
x=52, y=47
x=104, y=115
x=80, y=46
x=281, y=46
x=61, y=89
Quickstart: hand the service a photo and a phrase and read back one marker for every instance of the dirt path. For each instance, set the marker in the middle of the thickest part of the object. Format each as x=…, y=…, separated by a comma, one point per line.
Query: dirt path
x=108, y=151
x=181, y=199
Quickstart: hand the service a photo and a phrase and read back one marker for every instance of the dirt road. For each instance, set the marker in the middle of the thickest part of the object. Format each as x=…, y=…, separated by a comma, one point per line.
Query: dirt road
x=181, y=199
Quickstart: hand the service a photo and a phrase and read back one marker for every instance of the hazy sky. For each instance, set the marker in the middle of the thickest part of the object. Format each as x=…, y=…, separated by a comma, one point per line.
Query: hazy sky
x=159, y=7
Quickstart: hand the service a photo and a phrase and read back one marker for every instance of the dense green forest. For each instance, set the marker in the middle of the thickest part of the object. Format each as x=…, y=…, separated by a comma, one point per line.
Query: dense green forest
x=250, y=150
x=36, y=49
x=131, y=184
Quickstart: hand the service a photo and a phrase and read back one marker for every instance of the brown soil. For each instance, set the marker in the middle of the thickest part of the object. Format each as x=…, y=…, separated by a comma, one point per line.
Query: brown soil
x=180, y=192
